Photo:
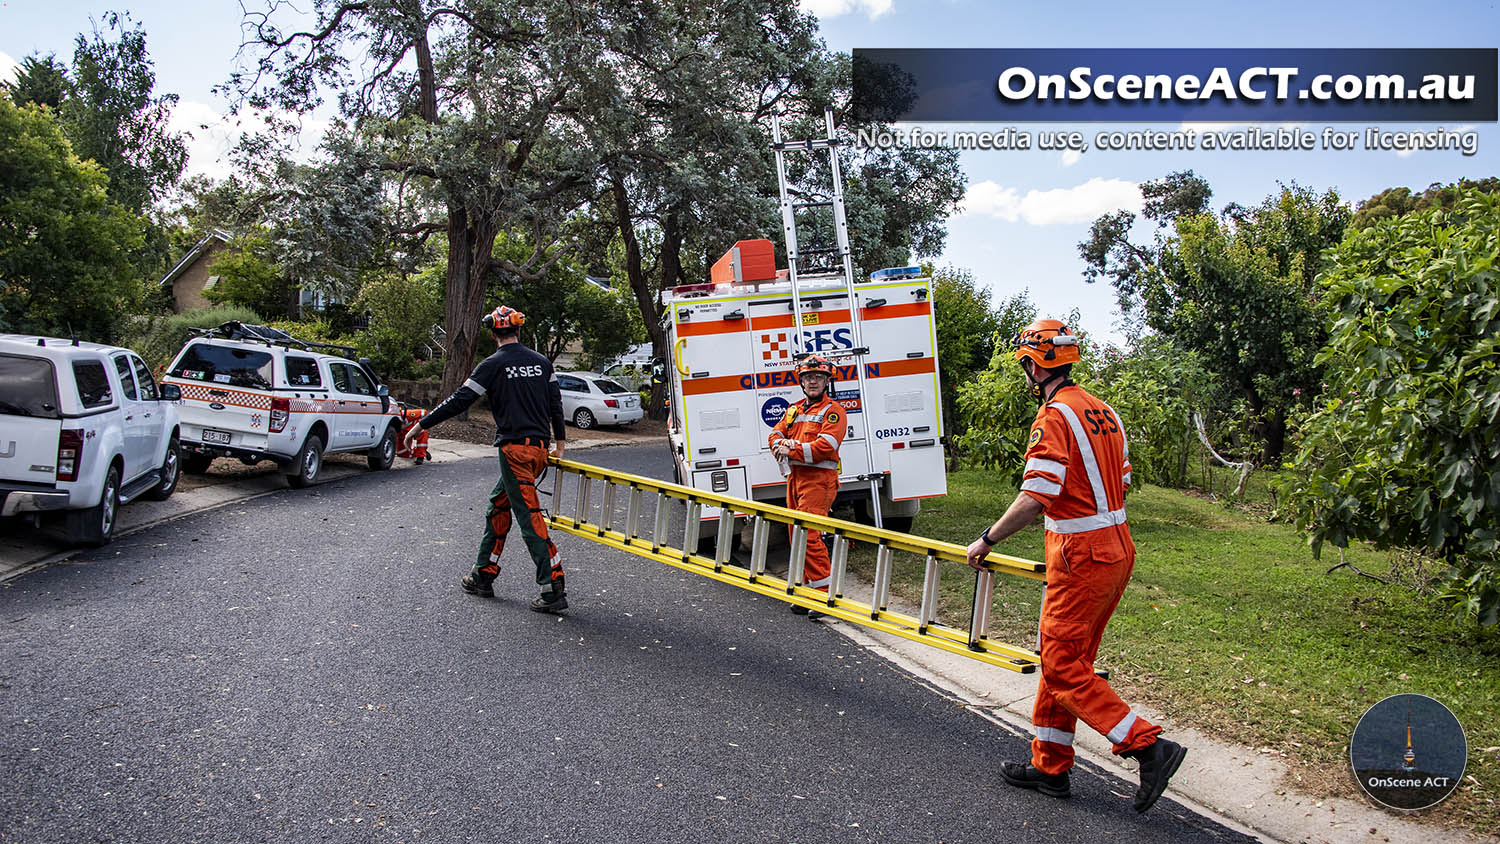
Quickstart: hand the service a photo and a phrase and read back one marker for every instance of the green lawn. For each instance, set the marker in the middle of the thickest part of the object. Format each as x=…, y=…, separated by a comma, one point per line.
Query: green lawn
x=1229, y=624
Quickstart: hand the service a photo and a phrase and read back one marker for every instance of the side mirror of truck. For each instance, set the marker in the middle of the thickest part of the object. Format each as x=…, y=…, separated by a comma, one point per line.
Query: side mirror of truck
x=169, y=392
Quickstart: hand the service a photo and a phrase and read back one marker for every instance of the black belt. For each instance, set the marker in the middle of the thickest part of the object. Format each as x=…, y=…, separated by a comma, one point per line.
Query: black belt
x=527, y=441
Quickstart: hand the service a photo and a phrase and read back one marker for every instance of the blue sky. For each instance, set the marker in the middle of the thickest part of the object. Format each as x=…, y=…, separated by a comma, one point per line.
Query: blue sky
x=1028, y=209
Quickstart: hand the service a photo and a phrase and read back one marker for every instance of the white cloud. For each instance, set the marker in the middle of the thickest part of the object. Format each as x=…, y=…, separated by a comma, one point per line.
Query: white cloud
x=825, y=9
x=1079, y=204
x=1468, y=127
x=1071, y=157
x=213, y=135
x=8, y=67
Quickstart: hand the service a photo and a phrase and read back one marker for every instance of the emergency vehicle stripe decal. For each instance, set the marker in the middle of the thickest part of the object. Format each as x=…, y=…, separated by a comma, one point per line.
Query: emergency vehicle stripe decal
x=237, y=398
x=894, y=311
x=1122, y=729
x=1054, y=735
x=785, y=320
x=713, y=326
x=730, y=383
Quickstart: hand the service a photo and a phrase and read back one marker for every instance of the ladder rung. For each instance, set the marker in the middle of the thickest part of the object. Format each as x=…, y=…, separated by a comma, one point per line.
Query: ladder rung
x=800, y=205
x=810, y=145
x=832, y=250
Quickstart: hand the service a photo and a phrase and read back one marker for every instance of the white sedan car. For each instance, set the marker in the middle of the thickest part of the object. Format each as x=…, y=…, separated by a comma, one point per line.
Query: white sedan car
x=590, y=399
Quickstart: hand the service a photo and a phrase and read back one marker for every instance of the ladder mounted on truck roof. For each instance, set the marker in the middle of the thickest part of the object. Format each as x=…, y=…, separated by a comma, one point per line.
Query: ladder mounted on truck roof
x=646, y=528
x=795, y=253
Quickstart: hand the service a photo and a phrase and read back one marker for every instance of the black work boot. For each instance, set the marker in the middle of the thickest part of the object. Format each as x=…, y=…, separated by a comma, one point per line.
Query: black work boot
x=477, y=586
x=555, y=600
x=1025, y=776
x=1159, y=761
x=812, y=615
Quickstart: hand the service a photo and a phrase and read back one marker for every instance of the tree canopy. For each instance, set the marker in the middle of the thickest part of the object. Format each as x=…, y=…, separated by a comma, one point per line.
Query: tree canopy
x=64, y=244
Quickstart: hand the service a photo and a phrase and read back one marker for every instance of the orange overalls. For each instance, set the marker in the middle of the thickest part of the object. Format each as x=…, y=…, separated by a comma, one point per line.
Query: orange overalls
x=1078, y=467
x=418, y=450
x=818, y=429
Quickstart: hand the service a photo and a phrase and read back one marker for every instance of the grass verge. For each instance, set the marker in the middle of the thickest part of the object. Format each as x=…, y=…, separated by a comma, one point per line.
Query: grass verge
x=1231, y=626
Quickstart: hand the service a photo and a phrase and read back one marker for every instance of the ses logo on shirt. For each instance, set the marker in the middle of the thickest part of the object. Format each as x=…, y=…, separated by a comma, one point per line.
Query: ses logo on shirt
x=533, y=371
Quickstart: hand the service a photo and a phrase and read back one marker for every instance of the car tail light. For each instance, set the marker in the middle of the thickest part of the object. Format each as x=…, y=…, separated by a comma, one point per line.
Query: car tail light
x=281, y=411
x=611, y=403
x=69, y=454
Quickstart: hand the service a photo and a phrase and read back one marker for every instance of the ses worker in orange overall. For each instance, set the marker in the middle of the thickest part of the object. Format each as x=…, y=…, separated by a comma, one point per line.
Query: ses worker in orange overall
x=1077, y=471
x=807, y=439
x=417, y=450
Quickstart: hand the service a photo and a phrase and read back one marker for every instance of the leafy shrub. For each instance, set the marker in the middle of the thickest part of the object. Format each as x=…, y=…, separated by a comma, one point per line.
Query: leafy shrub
x=403, y=309
x=158, y=339
x=1405, y=451
x=1154, y=389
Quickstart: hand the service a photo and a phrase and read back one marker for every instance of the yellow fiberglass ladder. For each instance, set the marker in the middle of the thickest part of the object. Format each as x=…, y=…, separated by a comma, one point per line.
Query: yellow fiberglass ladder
x=648, y=528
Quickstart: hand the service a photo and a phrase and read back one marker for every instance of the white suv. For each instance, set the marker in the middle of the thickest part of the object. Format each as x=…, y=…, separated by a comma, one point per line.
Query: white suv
x=83, y=428
x=258, y=393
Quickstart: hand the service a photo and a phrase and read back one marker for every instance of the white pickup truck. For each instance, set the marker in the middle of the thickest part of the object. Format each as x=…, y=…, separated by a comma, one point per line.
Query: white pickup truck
x=83, y=429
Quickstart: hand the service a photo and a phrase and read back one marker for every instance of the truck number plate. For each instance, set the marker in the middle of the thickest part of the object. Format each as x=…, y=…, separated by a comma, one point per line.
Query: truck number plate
x=220, y=437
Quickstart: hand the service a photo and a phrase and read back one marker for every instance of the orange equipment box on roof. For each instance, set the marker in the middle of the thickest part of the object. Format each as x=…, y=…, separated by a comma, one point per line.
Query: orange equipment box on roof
x=757, y=262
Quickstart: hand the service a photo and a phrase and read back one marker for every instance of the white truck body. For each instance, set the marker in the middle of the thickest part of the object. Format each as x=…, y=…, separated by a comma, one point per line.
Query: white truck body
x=731, y=379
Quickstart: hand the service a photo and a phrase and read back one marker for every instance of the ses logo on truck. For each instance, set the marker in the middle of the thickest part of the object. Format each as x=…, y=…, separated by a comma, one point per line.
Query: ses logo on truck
x=1408, y=752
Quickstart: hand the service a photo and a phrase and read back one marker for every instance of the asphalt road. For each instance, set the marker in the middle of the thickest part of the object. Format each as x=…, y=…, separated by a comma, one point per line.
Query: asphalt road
x=303, y=667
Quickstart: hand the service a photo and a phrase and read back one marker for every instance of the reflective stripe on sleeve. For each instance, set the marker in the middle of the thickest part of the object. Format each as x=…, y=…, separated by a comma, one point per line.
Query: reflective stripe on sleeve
x=1122, y=729
x=475, y=386
x=1038, y=464
x=807, y=453
x=830, y=440
x=1042, y=485
x=1054, y=735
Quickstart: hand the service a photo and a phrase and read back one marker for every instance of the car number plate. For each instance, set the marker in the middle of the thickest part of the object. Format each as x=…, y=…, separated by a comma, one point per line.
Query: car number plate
x=220, y=437
x=630, y=402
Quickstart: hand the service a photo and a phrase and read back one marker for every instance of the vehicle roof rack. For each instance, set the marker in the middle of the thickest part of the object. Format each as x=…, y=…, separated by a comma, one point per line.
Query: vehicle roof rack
x=251, y=333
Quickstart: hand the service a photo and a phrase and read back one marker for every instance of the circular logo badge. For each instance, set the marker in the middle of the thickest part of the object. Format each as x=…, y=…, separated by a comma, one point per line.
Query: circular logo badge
x=1408, y=752
x=772, y=411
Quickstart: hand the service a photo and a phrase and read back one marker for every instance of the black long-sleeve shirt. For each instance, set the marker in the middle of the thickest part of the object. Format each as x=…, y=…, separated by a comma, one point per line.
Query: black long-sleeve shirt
x=523, y=392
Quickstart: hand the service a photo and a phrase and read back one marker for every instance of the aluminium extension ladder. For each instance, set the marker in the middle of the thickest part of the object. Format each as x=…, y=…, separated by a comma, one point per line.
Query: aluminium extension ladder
x=795, y=253
x=646, y=527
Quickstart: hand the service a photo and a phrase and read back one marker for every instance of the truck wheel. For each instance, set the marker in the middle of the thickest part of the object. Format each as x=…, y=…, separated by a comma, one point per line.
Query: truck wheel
x=383, y=455
x=171, y=467
x=584, y=419
x=196, y=462
x=96, y=525
x=309, y=461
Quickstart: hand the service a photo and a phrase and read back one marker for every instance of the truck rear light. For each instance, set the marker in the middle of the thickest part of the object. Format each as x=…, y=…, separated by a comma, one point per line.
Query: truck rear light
x=611, y=403
x=69, y=454
x=281, y=411
x=898, y=445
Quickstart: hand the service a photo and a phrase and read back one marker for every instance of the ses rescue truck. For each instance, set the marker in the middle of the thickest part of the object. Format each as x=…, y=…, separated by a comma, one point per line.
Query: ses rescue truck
x=733, y=350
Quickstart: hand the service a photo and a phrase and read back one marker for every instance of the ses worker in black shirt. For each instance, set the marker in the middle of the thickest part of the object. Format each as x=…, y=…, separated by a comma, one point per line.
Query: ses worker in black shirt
x=526, y=402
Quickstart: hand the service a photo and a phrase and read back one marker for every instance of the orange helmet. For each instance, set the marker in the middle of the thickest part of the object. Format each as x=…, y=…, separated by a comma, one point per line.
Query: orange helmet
x=414, y=414
x=1047, y=342
x=815, y=363
x=504, y=317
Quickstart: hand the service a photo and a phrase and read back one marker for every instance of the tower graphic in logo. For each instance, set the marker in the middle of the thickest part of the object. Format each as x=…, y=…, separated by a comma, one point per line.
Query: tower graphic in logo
x=775, y=347
x=1383, y=752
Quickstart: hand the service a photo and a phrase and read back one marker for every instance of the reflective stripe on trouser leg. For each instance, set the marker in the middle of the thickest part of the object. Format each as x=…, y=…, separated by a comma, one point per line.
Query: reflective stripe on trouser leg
x=1050, y=721
x=1080, y=599
x=813, y=491
x=496, y=526
x=519, y=466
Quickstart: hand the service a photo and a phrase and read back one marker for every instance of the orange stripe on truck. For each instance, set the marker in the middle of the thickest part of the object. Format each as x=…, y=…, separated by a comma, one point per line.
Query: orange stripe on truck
x=787, y=378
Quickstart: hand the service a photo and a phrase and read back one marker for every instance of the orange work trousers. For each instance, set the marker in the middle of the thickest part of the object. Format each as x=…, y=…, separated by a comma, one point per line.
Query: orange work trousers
x=1086, y=575
x=515, y=494
x=813, y=491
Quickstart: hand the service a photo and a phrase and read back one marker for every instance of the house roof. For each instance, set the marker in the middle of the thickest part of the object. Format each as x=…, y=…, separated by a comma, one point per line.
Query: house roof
x=193, y=254
x=601, y=283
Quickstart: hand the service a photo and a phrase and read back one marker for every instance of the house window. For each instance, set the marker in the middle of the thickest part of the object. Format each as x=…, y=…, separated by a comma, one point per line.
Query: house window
x=212, y=280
